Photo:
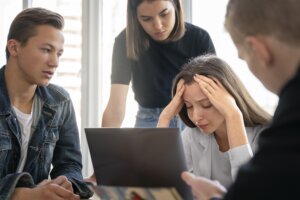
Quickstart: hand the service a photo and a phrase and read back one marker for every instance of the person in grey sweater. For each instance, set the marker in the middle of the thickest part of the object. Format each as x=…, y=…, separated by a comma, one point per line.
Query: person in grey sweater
x=223, y=121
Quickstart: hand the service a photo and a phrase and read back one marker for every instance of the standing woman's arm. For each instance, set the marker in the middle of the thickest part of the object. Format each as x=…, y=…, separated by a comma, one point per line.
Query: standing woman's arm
x=114, y=112
x=120, y=79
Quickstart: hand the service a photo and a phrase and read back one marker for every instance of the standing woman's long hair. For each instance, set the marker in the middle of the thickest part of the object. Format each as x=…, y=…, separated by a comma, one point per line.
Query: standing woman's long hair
x=137, y=39
x=212, y=66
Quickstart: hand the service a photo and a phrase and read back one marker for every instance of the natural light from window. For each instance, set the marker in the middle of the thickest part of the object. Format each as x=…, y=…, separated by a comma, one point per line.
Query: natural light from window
x=211, y=17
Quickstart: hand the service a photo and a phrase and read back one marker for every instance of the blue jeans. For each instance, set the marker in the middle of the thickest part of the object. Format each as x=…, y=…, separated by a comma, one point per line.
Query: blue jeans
x=148, y=118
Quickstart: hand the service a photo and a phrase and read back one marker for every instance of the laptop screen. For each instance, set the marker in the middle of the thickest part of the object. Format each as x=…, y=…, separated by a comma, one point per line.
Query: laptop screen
x=138, y=157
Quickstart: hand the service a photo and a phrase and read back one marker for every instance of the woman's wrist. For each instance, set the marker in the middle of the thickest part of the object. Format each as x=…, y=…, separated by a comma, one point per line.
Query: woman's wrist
x=163, y=122
x=234, y=115
x=236, y=131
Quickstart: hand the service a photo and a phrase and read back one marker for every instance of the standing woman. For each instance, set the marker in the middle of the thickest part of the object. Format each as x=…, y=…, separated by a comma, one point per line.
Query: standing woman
x=150, y=52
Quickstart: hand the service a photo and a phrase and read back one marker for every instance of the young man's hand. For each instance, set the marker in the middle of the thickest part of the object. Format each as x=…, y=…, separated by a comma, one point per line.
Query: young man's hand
x=56, y=189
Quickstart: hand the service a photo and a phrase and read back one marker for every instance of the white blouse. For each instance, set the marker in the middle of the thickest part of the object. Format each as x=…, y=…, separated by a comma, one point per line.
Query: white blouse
x=204, y=158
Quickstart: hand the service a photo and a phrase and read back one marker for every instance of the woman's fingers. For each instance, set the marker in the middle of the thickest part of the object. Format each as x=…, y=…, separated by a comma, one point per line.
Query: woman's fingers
x=180, y=91
x=207, y=81
x=206, y=84
x=218, y=83
x=179, y=85
x=211, y=85
x=173, y=108
x=221, y=99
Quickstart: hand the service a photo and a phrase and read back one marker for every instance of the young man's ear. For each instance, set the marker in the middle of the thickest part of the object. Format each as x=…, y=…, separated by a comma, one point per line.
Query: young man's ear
x=12, y=46
x=259, y=47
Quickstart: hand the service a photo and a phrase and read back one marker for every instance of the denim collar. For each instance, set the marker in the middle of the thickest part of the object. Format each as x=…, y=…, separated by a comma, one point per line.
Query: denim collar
x=5, y=106
x=41, y=91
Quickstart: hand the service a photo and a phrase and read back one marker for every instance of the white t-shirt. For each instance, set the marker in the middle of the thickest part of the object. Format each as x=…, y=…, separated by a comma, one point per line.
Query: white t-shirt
x=25, y=122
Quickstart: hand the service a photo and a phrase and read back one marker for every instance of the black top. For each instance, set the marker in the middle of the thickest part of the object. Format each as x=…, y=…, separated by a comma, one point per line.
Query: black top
x=274, y=171
x=153, y=72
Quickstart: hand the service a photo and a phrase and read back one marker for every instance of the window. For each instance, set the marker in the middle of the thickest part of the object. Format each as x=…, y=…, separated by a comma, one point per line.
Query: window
x=211, y=17
x=8, y=10
x=68, y=74
x=114, y=21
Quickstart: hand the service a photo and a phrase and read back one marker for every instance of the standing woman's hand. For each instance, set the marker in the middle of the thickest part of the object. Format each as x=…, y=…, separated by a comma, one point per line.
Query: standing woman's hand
x=56, y=189
x=173, y=108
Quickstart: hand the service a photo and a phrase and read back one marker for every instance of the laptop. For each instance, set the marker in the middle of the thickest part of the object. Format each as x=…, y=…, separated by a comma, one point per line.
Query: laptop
x=138, y=157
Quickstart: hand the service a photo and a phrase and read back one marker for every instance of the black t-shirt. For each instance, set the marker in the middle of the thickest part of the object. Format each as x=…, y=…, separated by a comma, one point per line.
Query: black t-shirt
x=152, y=74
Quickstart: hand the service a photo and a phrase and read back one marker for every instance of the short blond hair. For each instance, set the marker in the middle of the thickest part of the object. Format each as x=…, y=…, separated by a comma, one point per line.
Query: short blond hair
x=278, y=18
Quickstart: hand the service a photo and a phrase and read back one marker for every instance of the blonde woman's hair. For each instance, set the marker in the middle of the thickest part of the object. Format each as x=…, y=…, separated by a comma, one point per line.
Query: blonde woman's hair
x=277, y=18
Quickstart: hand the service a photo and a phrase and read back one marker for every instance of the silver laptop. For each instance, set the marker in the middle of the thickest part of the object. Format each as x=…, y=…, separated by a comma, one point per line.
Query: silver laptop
x=140, y=157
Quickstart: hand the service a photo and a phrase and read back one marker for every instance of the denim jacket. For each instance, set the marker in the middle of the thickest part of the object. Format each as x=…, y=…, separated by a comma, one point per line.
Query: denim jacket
x=55, y=140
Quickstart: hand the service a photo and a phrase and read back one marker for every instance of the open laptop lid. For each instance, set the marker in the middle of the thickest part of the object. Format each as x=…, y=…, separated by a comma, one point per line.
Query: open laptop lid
x=141, y=157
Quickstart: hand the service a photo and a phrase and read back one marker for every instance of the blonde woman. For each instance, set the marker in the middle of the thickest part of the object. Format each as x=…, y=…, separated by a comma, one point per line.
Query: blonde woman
x=223, y=121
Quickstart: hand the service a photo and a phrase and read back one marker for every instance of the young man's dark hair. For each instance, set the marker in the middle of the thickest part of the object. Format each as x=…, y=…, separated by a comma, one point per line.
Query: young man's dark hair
x=24, y=25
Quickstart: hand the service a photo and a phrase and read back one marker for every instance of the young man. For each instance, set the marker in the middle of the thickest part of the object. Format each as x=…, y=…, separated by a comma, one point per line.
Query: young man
x=37, y=120
x=267, y=36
